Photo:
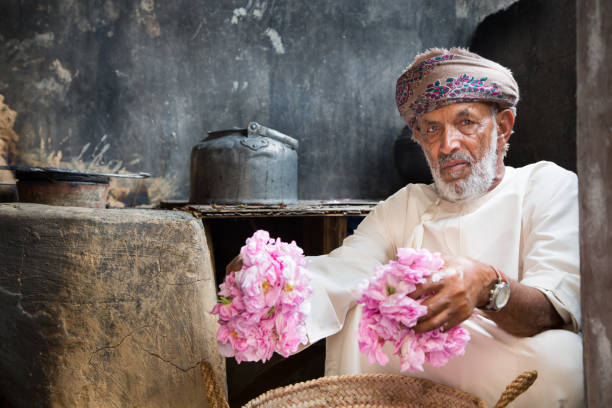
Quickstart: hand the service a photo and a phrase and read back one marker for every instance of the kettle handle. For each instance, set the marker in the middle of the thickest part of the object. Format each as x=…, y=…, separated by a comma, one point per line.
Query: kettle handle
x=255, y=129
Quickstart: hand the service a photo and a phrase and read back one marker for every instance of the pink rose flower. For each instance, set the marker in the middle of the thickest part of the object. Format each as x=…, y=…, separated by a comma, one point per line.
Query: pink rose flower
x=388, y=314
x=370, y=343
x=412, y=356
x=263, y=307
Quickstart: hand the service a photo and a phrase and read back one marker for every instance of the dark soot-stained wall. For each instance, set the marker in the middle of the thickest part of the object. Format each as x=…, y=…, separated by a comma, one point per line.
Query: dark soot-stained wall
x=133, y=85
x=536, y=39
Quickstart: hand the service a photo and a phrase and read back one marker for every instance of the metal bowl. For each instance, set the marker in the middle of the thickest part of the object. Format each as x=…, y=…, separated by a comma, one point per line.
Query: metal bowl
x=65, y=187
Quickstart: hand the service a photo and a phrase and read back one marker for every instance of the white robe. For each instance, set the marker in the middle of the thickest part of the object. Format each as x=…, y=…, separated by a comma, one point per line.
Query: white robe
x=527, y=226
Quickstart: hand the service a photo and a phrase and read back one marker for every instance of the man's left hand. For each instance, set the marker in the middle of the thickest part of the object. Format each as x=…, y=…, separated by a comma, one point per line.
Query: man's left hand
x=462, y=285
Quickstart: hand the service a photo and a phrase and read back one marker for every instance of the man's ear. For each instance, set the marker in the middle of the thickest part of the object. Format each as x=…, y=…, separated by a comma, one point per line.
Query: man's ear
x=505, y=123
x=416, y=132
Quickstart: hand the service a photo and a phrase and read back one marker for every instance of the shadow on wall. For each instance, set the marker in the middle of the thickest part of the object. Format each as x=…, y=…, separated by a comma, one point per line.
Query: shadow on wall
x=536, y=39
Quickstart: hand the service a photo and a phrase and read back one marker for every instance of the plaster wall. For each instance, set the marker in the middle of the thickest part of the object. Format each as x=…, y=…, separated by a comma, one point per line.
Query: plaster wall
x=133, y=85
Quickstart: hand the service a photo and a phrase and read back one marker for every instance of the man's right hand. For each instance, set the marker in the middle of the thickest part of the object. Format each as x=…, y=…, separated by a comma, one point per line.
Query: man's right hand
x=234, y=266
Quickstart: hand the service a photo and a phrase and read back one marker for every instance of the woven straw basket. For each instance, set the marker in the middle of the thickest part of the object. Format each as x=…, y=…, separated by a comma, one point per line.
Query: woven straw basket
x=369, y=391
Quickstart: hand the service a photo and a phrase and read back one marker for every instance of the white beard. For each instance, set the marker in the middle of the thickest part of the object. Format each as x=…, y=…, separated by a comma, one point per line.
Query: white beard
x=476, y=183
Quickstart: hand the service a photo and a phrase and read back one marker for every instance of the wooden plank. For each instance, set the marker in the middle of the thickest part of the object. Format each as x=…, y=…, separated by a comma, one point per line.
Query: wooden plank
x=334, y=232
x=210, y=211
x=594, y=126
x=277, y=214
x=302, y=208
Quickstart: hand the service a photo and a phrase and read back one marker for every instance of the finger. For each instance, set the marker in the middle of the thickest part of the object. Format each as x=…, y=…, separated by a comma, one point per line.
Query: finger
x=435, y=305
x=426, y=288
x=454, y=321
x=235, y=265
x=435, y=322
x=446, y=319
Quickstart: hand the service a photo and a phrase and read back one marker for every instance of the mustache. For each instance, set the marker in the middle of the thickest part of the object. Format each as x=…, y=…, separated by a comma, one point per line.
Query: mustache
x=458, y=155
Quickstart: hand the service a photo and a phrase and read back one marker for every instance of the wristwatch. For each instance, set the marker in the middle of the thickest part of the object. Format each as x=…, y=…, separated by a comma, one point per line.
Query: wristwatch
x=500, y=294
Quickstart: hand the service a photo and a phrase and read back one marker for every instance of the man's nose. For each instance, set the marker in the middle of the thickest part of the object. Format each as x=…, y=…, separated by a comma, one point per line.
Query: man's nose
x=450, y=140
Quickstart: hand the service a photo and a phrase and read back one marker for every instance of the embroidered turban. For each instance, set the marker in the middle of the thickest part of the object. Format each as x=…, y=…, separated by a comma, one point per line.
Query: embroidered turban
x=439, y=77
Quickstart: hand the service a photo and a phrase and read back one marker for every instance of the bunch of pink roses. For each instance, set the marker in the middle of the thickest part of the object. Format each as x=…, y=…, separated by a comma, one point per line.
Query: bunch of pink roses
x=263, y=307
x=389, y=313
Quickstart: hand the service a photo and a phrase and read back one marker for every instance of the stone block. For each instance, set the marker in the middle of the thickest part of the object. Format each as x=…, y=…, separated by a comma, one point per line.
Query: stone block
x=104, y=308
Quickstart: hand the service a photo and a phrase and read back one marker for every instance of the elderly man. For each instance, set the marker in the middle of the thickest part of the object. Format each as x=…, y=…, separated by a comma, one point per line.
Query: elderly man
x=509, y=236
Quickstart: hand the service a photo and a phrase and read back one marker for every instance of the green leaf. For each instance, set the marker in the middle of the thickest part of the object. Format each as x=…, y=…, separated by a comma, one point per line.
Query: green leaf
x=224, y=300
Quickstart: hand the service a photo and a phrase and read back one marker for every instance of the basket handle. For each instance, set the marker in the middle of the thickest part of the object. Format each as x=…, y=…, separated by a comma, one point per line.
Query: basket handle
x=216, y=397
x=516, y=388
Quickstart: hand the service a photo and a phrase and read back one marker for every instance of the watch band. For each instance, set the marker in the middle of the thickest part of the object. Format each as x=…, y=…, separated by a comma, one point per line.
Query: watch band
x=500, y=275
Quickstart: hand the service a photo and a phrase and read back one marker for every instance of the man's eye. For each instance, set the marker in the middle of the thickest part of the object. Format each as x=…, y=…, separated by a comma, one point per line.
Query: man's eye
x=467, y=122
x=432, y=129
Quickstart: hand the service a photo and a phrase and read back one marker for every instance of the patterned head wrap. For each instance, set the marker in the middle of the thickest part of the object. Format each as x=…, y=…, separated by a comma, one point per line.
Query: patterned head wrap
x=439, y=77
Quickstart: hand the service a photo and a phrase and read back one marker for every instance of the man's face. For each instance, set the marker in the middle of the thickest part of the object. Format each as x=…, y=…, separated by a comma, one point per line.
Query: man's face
x=460, y=142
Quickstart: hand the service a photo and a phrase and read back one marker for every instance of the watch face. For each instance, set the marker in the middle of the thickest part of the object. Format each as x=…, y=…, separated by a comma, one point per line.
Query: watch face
x=503, y=294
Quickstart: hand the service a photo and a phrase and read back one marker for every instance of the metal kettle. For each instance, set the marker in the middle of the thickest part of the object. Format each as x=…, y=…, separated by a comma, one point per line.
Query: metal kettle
x=238, y=166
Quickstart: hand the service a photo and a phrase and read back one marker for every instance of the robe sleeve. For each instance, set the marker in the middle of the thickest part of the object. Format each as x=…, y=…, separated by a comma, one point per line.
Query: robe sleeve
x=550, y=249
x=336, y=276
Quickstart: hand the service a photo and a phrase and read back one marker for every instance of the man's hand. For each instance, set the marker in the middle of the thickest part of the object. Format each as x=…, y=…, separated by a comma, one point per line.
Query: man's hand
x=235, y=265
x=462, y=285
x=465, y=284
